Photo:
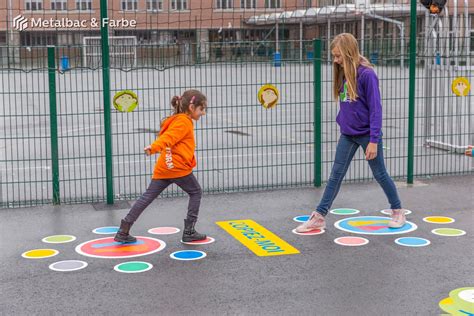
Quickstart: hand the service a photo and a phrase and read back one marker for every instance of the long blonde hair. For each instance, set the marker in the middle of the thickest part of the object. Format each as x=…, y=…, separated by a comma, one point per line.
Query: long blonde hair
x=351, y=59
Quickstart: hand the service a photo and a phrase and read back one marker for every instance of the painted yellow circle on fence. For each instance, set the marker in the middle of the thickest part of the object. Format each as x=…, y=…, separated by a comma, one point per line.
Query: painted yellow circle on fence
x=461, y=86
x=39, y=253
x=268, y=96
x=438, y=220
x=125, y=101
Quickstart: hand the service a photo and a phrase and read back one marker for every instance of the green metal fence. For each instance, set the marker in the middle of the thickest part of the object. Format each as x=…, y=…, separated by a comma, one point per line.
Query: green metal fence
x=54, y=141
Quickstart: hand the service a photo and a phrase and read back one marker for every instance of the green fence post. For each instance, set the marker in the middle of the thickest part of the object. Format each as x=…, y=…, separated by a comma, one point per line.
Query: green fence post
x=104, y=32
x=317, y=128
x=411, y=94
x=53, y=122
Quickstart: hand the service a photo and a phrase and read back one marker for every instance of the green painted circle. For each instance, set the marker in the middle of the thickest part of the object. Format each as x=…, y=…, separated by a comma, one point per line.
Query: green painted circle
x=59, y=239
x=448, y=232
x=133, y=267
x=344, y=211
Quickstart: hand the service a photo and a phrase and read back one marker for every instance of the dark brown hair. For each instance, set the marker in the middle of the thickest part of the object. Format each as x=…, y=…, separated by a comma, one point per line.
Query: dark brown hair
x=181, y=104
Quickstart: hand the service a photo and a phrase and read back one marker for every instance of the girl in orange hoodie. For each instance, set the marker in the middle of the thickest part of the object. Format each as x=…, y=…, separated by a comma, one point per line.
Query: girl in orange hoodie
x=176, y=146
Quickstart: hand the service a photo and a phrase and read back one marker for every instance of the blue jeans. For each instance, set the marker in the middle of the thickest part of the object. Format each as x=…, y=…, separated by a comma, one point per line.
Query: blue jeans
x=346, y=148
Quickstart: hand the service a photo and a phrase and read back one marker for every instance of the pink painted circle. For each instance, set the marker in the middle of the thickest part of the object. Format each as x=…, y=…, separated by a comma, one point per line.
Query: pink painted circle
x=351, y=241
x=163, y=230
x=310, y=233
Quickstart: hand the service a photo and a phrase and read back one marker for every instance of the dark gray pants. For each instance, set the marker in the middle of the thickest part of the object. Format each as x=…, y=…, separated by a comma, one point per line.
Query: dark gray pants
x=189, y=184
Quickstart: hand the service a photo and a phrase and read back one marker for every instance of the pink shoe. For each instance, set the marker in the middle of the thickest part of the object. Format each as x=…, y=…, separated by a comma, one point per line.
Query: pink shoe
x=398, y=219
x=315, y=221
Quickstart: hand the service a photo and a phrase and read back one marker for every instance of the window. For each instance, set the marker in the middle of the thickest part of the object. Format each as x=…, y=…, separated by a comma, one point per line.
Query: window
x=179, y=5
x=84, y=5
x=34, y=5
x=59, y=5
x=38, y=38
x=272, y=4
x=248, y=4
x=224, y=4
x=129, y=5
x=154, y=5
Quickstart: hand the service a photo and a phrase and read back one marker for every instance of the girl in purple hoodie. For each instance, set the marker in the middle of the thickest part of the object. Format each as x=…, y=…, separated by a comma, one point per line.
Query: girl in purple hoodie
x=360, y=120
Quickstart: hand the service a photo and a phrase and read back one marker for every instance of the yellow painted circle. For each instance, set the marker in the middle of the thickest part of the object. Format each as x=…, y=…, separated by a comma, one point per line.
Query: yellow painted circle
x=39, y=253
x=438, y=220
x=461, y=86
x=125, y=101
x=268, y=96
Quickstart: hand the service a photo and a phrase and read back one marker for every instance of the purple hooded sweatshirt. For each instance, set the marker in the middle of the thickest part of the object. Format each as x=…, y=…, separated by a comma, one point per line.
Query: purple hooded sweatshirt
x=364, y=115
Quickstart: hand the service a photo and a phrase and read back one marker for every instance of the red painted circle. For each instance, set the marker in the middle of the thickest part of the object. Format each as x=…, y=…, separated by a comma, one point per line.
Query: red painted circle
x=108, y=248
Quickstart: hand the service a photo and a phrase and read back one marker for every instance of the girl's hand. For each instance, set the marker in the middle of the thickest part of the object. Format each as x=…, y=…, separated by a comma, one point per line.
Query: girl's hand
x=371, y=151
x=147, y=150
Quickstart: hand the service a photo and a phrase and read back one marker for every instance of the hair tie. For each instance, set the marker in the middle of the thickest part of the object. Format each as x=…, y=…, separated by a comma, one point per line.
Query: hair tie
x=192, y=99
x=179, y=97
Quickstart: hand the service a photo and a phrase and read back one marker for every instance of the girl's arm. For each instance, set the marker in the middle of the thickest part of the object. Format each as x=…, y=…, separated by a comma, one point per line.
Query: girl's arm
x=175, y=132
x=374, y=103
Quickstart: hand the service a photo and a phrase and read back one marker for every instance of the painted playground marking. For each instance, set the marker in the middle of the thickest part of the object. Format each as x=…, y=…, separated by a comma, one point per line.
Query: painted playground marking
x=310, y=233
x=438, y=220
x=351, y=241
x=58, y=239
x=188, y=255
x=108, y=248
x=258, y=239
x=68, y=265
x=301, y=218
x=412, y=241
x=163, y=230
x=459, y=302
x=107, y=230
x=208, y=240
x=39, y=253
x=133, y=267
x=372, y=225
x=448, y=232
x=344, y=211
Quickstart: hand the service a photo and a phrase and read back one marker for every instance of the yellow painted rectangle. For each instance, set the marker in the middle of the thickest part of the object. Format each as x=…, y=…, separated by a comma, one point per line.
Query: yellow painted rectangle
x=258, y=239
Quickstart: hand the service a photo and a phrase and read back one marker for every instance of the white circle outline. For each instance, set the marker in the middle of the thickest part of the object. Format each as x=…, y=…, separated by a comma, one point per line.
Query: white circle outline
x=173, y=256
x=201, y=243
x=85, y=264
x=427, y=221
x=161, y=247
x=299, y=221
x=338, y=226
x=342, y=208
x=389, y=212
x=461, y=234
x=397, y=241
x=467, y=295
x=54, y=254
x=58, y=242
x=366, y=241
x=150, y=230
x=150, y=266
x=307, y=233
x=95, y=230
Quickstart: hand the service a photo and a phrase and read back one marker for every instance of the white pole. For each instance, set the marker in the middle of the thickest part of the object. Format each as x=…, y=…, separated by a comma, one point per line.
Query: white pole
x=362, y=33
x=455, y=32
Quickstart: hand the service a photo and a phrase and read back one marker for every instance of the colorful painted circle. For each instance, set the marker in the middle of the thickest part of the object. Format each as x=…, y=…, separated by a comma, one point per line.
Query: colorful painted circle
x=449, y=232
x=351, y=241
x=301, y=218
x=163, y=230
x=344, y=211
x=106, y=230
x=187, y=255
x=125, y=101
x=58, y=239
x=68, y=265
x=108, y=248
x=438, y=220
x=389, y=212
x=268, y=96
x=372, y=225
x=310, y=233
x=412, y=241
x=39, y=253
x=206, y=241
x=133, y=267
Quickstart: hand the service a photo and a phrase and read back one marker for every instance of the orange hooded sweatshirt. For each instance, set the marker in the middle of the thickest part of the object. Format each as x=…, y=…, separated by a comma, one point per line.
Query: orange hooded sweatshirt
x=176, y=146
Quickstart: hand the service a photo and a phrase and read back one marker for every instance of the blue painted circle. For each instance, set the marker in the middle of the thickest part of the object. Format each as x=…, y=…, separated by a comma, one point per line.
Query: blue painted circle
x=188, y=255
x=106, y=230
x=301, y=219
x=412, y=241
x=372, y=225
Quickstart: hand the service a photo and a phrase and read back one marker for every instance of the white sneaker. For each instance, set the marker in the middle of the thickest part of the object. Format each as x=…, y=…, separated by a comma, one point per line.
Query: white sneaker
x=398, y=219
x=315, y=221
